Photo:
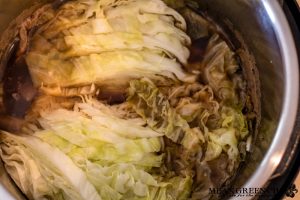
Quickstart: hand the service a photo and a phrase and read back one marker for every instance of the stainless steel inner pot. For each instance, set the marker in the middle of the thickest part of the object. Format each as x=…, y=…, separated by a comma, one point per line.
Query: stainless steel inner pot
x=266, y=32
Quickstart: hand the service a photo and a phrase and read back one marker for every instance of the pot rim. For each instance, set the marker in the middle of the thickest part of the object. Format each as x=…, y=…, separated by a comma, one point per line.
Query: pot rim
x=288, y=115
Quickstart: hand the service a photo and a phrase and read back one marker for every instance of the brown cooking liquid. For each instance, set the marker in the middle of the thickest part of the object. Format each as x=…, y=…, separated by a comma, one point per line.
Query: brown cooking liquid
x=18, y=89
x=197, y=50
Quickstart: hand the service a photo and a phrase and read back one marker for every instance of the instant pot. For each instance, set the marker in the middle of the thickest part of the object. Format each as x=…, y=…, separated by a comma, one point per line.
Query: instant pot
x=270, y=30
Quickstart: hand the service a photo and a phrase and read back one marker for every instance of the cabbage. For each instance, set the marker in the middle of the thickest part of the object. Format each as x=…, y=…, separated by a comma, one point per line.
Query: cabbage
x=50, y=172
x=173, y=138
x=195, y=103
x=217, y=125
x=103, y=41
x=101, y=143
x=223, y=126
x=177, y=188
x=234, y=118
x=73, y=155
x=222, y=139
x=145, y=6
x=100, y=68
x=220, y=71
x=106, y=118
x=155, y=109
x=81, y=45
x=183, y=189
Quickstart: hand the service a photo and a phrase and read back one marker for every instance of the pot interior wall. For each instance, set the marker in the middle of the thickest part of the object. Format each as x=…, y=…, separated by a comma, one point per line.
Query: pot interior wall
x=9, y=9
x=250, y=19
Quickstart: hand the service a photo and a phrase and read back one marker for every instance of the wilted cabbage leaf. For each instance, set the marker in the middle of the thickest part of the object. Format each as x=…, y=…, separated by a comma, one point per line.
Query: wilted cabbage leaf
x=104, y=41
x=155, y=108
x=219, y=70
